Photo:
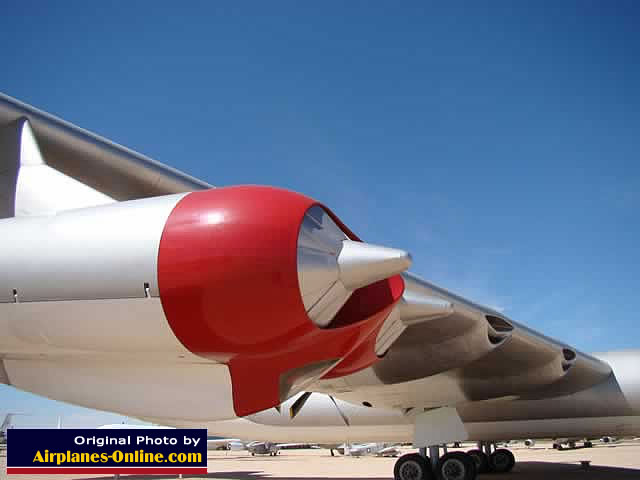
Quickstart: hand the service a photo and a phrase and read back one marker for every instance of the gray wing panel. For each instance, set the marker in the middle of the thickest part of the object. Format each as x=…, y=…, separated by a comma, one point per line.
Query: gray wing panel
x=472, y=354
x=107, y=167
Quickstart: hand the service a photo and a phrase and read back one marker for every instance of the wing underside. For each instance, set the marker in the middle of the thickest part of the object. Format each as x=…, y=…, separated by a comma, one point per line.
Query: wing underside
x=467, y=353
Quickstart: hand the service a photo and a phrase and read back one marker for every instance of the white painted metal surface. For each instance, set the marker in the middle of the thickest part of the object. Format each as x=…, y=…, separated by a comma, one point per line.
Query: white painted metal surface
x=31, y=186
x=102, y=252
x=118, y=355
x=134, y=327
x=193, y=392
x=403, y=433
x=437, y=426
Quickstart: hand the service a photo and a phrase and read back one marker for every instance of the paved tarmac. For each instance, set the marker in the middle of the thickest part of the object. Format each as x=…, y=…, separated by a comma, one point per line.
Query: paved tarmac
x=608, y=462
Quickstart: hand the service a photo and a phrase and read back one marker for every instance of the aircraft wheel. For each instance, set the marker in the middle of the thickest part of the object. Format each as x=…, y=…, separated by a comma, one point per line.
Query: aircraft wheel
x=412, y=466
x=588, y=444
x=456, y=466
x=501, y=461
x=481, y=459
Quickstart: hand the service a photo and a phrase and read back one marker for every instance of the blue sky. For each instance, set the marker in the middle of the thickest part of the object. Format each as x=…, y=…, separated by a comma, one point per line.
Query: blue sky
x=496, y=141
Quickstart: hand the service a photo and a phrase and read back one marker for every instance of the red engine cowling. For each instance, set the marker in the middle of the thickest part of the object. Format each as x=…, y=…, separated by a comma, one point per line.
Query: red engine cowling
x=229, y=274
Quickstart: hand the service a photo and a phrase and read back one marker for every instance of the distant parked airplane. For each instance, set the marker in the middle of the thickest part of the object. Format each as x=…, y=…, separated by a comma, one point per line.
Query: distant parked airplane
x=364, y=449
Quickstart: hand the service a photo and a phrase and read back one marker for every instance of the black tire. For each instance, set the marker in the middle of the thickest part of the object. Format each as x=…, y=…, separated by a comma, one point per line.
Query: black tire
x=501, y=461
x=481, y=459
x=588, y=444
x=412, y=466
x=456, y=466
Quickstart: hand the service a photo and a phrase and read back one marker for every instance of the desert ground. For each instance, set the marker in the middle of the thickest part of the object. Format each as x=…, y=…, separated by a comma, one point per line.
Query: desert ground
x=608, y=462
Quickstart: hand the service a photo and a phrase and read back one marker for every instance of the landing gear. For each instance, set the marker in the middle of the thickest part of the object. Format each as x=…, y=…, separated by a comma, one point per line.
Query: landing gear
x=501, y=461
x=481, y=459
x=453, y=465
x=450, y=466
x=489, y=459
x=456, y=466
x=413, y=466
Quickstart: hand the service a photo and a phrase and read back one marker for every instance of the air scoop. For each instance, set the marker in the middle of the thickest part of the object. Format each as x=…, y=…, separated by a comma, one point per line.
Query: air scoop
x=331, y=266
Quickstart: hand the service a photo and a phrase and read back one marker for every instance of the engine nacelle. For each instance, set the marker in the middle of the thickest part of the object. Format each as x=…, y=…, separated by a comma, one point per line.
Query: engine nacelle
x=264, y=281
x=240, y=271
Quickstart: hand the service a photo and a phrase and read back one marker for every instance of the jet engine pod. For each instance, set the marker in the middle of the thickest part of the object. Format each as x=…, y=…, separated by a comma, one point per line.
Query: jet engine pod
x=274, y=285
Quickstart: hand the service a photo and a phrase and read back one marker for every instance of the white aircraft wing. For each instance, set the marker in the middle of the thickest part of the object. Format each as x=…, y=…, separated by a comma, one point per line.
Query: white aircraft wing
x=435, y=347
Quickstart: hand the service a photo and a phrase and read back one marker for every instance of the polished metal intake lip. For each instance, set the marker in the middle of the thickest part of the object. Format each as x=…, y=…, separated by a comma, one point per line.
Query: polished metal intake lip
x=331, y=266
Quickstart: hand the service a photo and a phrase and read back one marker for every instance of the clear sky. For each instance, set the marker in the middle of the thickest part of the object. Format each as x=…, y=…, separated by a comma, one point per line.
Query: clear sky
x=497, y=141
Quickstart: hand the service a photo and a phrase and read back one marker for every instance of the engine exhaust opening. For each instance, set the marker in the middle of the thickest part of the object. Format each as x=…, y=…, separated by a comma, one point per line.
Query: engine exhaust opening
x=498, y=329
x=499, y=324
